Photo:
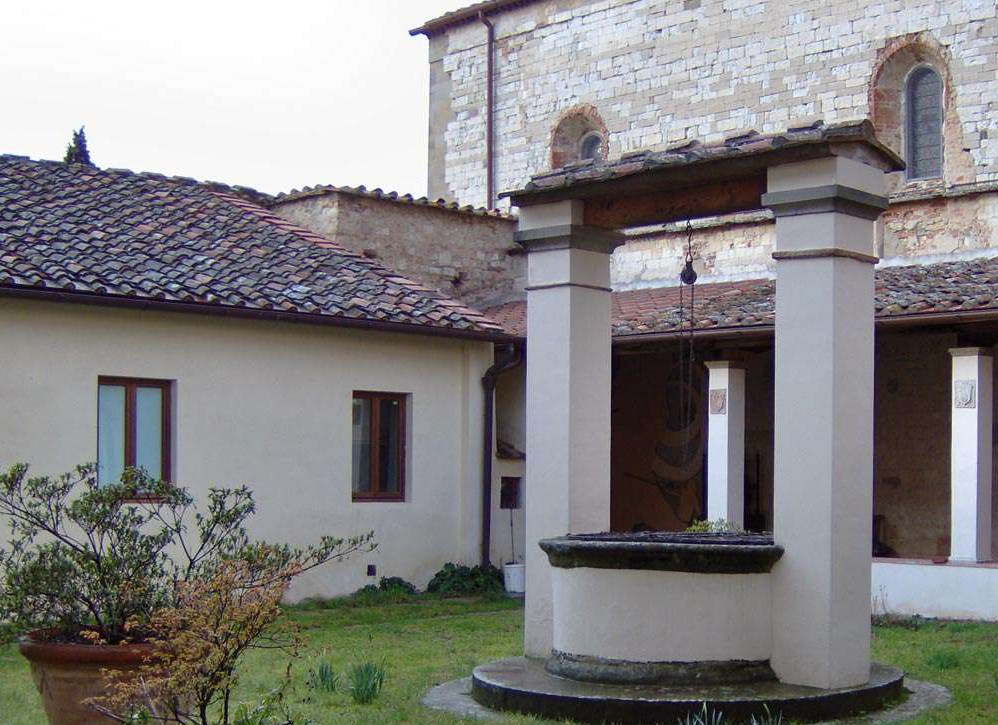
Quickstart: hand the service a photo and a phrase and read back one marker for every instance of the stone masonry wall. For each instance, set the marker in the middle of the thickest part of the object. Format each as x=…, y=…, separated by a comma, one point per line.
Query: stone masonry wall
x=465, y=255
x=740, y=247
x=661, y=72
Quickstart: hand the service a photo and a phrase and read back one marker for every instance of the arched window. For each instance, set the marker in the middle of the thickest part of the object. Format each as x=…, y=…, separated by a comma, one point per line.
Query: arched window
x=924, y=123
x=580, y=135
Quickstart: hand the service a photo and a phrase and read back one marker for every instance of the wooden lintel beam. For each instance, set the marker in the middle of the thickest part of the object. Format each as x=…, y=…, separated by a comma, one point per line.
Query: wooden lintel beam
x=660, y=207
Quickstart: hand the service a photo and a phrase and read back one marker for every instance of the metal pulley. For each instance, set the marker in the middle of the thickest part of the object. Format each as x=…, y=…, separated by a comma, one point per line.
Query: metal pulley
x=688, y=276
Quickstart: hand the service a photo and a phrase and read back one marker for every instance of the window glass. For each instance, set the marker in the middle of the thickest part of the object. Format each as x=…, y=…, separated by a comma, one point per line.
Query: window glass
x=362, y=444
x=388, y=448
x=149, y=430
x=591, y=147
x=110, y=433
x=925, y=124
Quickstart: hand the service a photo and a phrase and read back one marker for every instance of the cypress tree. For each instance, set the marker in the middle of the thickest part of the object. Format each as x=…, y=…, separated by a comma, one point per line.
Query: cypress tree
x=77, y=151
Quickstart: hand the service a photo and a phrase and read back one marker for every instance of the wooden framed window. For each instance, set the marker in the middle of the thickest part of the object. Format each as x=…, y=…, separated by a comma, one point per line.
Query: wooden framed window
x=924, y=124
x=379, y=440
x=133, y=427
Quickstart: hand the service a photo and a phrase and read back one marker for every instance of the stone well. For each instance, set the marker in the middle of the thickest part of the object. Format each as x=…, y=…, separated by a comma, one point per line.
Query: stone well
x=651, y=626
x=662, y=608
x=639, y=628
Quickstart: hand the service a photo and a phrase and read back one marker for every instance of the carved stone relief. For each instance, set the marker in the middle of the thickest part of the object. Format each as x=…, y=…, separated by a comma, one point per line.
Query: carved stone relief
x=964, y=394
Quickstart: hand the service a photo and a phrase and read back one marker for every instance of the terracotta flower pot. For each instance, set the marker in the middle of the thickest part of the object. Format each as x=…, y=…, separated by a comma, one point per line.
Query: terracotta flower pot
x=66, y=675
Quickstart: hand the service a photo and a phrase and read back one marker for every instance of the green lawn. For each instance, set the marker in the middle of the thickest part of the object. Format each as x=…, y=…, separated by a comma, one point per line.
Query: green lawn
x=427, y=642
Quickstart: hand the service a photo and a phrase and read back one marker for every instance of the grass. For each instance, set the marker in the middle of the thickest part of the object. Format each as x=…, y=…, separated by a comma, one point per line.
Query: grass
x=422, y=642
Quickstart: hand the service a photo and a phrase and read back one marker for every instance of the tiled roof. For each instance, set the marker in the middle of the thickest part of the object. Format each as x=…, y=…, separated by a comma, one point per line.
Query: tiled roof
x=393, y=196
x=80, y=232
x=796, y=142
x=902, y=291
x=466, y=15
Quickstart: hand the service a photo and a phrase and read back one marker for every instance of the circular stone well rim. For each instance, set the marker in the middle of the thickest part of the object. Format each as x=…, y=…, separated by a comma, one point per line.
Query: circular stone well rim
x=520, y=684
x=699, y=553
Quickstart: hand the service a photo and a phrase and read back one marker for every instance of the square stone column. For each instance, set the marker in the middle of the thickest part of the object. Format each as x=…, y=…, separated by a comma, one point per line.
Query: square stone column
x=726, y=442
x=568, y=392
x=823, y=489
x=971, y=455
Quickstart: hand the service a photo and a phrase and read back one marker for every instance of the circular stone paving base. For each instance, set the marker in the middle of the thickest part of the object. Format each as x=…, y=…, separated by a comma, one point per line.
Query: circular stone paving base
x=520, y=684
x=454, y=697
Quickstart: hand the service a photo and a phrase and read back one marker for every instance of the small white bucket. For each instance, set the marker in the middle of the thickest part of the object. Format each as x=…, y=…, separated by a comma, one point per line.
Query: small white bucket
x=513, y=575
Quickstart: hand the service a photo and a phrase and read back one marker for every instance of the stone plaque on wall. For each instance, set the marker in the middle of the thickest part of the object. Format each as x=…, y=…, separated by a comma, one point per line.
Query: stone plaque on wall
x=718, y=402
x=964, y=394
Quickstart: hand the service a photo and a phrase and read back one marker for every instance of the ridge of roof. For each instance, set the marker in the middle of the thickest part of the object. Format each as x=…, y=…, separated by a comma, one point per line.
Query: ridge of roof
x=245, y=192
x=391, y=196
x=110, y=235
x=466, y=14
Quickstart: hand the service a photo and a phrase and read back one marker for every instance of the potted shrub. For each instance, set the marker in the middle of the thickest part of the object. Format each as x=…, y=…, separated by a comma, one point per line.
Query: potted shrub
x=92, y=568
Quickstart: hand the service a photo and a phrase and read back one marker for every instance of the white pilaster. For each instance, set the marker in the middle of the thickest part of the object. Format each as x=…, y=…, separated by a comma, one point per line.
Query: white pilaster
x=970, y=454
x=825, y=213
x=726, y=442
x=568, y=393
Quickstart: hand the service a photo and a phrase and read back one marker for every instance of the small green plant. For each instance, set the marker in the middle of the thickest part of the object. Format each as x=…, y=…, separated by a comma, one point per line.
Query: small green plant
x=767, y=718
x=455, y=580
x=396, y=585
x=943, y=660
x=366, y=681
x=889, y=620
x=717, y=526
x=390, y=590
x=323, y=677
x=703, y=717
x=271, y=710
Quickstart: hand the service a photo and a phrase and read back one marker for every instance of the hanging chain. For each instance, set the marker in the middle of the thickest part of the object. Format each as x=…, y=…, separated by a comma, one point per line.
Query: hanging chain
x=687, y=278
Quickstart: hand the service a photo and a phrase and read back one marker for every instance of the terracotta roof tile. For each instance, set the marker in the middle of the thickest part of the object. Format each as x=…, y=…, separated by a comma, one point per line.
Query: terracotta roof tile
x=73, y=228
x=692, y=153
x=466, y=14
x=392, y=196
x=961, y=286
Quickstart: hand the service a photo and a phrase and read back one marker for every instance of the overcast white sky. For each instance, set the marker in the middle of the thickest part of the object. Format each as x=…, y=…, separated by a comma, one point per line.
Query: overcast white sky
x=272, y=95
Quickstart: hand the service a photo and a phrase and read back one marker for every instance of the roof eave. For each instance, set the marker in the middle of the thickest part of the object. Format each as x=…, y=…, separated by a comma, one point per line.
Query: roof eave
x=851, y=138
x=896, y=321
x=204, y=308
x=466, y=15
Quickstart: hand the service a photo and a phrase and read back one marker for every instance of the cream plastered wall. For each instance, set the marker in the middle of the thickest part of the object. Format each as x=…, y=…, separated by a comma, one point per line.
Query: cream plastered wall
x=508, y=543
x=951, y=591
x=662, y=616
x=267, y=405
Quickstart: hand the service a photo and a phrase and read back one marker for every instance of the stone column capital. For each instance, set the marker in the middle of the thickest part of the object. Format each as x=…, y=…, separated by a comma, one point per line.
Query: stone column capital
x=569, y=236
x=823, y=199
x=971, y=352
x=724, y=365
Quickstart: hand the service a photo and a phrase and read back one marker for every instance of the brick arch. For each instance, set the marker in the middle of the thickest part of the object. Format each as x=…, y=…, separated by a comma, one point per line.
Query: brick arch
x=887, y=93
x=572, y=126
